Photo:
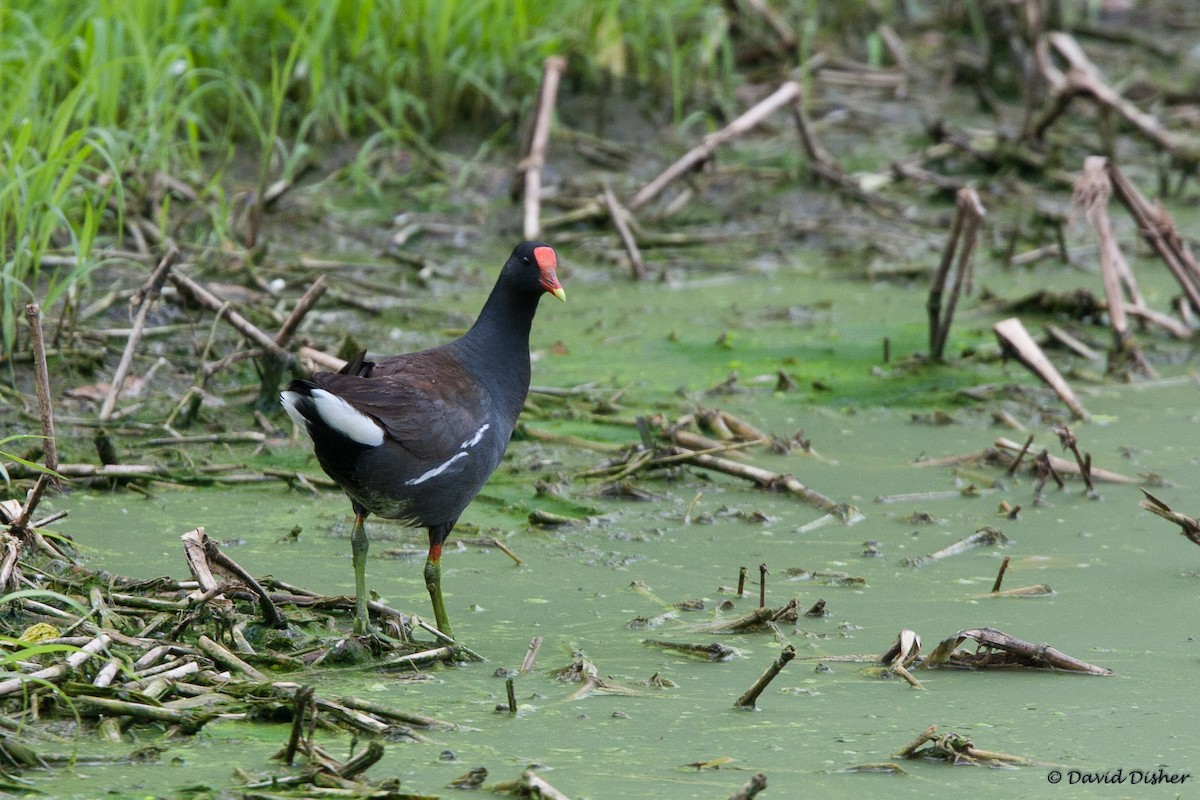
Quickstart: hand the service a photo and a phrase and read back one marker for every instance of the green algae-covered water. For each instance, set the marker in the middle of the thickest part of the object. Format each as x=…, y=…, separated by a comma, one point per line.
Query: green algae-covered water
x=1126, y=585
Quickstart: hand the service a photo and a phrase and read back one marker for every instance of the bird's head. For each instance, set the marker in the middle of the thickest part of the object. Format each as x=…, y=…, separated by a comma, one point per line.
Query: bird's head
x=536, y=264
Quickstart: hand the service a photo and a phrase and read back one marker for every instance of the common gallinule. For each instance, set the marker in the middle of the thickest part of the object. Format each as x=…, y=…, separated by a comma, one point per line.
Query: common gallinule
x=415, y=437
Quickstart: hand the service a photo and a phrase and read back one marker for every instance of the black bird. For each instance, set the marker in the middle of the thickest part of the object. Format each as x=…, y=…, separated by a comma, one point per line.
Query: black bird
x=415, y=437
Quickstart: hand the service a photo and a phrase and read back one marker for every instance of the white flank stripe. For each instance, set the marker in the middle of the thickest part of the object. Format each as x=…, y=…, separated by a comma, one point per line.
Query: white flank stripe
x=438, y=470
x=346, y=419
x=474, y=440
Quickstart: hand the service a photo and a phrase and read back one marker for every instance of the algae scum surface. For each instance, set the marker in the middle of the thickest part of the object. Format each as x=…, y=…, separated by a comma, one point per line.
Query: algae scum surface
x=1124, y=582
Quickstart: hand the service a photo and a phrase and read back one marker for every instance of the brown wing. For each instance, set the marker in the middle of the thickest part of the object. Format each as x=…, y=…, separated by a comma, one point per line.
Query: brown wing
x=426, y=402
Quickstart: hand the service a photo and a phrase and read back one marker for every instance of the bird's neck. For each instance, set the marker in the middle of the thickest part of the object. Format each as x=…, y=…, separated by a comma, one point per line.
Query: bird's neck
x=497, y=345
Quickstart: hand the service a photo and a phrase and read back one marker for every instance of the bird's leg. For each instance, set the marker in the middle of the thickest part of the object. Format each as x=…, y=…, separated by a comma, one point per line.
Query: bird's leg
x=358, y=550
x=433, y=576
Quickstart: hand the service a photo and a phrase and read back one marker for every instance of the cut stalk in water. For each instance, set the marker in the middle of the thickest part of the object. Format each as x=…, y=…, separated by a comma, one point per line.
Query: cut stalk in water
x=1016, y=341
x=968, y=214
x=1000, y=574
x=748, y=698
x=1092, y=192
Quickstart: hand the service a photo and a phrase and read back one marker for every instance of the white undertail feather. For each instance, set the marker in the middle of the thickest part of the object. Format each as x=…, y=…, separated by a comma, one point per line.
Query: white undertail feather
x=337, y=414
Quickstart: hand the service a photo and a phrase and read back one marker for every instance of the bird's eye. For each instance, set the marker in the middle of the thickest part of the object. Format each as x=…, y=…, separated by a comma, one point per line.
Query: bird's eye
x=525, y=259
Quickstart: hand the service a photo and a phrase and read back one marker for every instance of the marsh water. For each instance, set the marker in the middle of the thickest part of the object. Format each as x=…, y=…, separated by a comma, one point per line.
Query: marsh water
x=1125, y=583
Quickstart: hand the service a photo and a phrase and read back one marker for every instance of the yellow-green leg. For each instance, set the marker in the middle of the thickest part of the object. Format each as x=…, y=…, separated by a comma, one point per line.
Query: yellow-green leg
x=358, y=550
x=433, y=580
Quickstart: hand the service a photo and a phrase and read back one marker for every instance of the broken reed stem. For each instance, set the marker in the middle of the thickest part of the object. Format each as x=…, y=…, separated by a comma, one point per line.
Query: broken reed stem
x=751, y=788
x=145, y=299
x=747, y=699
x=33, y=313
x=511, y=690
x=968, y=214
x=762, y=585
x=1092, y=192
x=785, y=94
x=535, y=644
x=1189, y=526
x=617, y=214
x=1071, y=442
x=1000, y=574
x=1158, y=229
x=1012, y=469
x=552, y=69
x=741, y=590
x=1016, y=341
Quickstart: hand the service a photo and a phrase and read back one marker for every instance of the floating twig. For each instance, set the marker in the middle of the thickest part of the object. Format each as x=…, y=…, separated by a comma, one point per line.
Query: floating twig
x=986, y=536
x=710, y=652
x=956, y=749
x=996, y=649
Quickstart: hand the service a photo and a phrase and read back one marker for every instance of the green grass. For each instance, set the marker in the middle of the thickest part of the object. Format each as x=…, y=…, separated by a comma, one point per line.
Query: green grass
x=102, y=98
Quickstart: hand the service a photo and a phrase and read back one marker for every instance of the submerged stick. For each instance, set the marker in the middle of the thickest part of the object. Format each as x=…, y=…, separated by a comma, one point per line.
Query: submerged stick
x=750, y=695
x=762, y=585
